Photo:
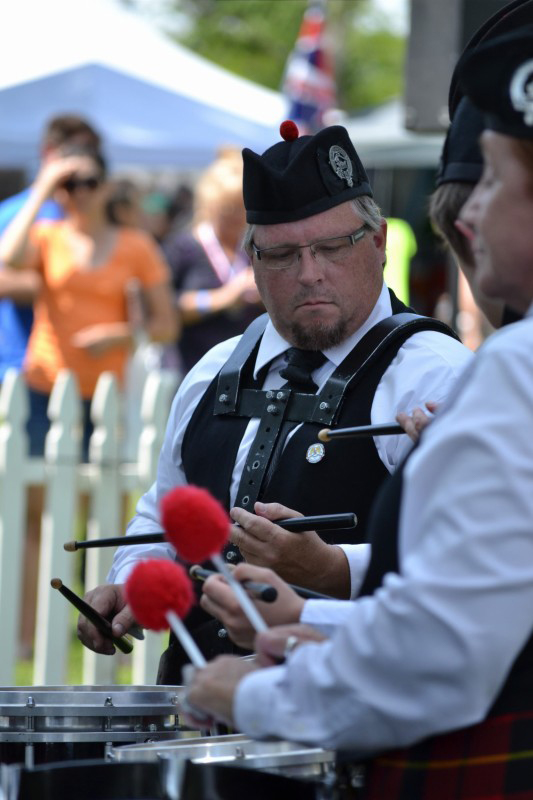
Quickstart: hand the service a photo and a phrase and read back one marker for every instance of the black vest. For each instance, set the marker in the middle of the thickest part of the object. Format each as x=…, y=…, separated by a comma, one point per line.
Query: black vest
x=345, y=480
x=349, y=474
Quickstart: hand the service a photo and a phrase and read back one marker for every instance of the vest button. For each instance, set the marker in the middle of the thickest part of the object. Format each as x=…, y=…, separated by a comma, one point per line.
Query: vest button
x=324, y=406
x=223, y=398
x=231, y=555
x=222, y=633
x=273, y=409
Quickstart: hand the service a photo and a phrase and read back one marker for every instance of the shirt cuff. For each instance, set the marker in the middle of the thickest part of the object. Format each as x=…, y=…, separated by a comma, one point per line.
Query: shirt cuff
x=325, y=615
x=252, y=702
x=358, y=557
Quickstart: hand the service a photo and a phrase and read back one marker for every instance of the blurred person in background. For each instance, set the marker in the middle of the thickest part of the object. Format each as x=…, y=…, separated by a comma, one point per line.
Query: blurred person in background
x=157, y=214
x=18, y=290
x=85, y=265
x=211, y=275
x=124, y=203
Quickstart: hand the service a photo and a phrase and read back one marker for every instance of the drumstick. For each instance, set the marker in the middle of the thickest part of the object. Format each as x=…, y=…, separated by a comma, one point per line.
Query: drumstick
x=104, y=626
x=264, y=591
x=386, y=429
x=200, y=574
x=321, y=522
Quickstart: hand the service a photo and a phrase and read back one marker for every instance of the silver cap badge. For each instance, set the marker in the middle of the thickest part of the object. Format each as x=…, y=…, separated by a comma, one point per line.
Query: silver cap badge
x=521, y=91
x=340, y=163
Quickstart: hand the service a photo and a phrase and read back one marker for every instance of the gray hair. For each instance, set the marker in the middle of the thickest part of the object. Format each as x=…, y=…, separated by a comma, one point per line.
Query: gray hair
x=363, y=206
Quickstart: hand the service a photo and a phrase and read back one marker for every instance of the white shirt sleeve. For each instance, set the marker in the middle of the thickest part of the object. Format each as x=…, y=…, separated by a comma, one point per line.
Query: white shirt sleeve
x=170, y=471
x=425, y=368
x=429, y=651
x=325, y=615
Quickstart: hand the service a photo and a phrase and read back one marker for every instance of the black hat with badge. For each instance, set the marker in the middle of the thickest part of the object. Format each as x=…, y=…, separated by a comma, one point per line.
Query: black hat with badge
x=302, y=176
x=498, y=78
x=461, y=160
x=514, y=15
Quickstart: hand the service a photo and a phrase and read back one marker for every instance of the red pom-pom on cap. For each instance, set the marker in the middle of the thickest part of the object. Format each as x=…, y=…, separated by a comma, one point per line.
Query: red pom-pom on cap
x=194, y=522
x=289, y=130
x=156, y=586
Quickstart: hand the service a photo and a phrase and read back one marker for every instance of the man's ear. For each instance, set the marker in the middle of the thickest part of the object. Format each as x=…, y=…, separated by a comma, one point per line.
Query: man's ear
x=379, y=238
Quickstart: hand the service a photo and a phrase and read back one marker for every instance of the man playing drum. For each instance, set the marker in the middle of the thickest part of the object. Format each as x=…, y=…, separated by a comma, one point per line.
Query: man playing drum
x=245, y=420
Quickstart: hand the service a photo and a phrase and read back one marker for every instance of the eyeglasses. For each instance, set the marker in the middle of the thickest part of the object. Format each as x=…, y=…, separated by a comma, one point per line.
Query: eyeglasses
x=325, y=251
x=90, y=183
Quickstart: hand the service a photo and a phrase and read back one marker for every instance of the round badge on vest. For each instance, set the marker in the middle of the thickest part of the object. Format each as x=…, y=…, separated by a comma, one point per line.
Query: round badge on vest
x=315, y=453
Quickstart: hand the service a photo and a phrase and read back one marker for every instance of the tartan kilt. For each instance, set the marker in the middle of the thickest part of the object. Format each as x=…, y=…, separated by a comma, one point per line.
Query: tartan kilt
x=489, y=761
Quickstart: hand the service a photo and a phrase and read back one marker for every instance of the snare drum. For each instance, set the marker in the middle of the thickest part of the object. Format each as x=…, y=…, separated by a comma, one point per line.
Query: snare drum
x=281, y=757
x=42, y=724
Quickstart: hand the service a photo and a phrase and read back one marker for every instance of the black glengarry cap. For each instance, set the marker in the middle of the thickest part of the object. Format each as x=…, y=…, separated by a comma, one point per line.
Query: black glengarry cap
x=515, y=14
x=461, y=159
x=302, y=176
x=498, y=78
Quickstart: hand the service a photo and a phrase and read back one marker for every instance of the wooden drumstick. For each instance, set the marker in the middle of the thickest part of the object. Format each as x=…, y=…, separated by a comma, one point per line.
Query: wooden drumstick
x=101, y=623
x=387, y=429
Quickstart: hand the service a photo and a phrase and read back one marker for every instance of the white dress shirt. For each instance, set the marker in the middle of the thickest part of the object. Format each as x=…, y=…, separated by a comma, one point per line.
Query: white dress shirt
x=429, y=651
x=425, y=368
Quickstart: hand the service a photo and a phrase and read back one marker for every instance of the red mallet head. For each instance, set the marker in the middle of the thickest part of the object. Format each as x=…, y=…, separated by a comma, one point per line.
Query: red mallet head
x=155, y=587
x=195, y=523
x=289, y=130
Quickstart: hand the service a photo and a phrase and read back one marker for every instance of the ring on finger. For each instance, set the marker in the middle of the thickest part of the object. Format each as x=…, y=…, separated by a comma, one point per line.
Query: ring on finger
x=291, y=643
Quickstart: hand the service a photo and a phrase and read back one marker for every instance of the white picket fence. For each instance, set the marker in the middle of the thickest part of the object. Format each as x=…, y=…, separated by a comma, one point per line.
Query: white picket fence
x=105, y=479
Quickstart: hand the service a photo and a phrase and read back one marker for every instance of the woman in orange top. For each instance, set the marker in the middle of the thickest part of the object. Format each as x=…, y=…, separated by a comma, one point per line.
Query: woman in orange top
x=87, y=265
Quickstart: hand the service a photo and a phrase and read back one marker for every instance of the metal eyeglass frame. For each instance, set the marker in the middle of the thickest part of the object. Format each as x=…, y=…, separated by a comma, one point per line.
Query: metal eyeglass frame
x=353, y=237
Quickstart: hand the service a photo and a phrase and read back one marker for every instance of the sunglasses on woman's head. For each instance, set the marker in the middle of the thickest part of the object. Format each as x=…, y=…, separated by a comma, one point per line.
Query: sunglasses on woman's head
x=91, y=183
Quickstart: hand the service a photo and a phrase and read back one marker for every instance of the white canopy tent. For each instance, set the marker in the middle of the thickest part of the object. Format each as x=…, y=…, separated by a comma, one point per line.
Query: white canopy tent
x=155, y=103
x=382, y=141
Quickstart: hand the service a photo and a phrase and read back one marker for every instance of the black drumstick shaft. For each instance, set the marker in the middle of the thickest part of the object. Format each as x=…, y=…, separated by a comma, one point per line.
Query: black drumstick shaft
x=202, y=574
x=317, y=523
x=100, y=622
x=387, y=429
x=264, y=591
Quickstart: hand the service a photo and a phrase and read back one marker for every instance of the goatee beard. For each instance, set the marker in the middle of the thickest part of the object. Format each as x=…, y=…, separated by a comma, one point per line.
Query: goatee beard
x=318, y=336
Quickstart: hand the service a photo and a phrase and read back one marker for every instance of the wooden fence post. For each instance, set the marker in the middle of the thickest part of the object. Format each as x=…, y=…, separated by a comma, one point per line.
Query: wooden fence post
x=13, y=461
x=62, y=453
x=105, y=517
x=156, y=402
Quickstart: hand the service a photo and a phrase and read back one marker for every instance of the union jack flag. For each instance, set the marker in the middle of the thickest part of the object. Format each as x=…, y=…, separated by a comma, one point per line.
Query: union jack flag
x=309, y=81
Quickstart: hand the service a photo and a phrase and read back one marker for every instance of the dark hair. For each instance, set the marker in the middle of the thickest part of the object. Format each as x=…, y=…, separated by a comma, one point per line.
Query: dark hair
x=444, y=206
x=89, y=152
x=67, y=127
x=124, y=194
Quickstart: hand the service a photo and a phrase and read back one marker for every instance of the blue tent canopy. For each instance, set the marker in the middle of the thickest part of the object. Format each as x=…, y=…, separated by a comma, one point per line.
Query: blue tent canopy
x=141, y=124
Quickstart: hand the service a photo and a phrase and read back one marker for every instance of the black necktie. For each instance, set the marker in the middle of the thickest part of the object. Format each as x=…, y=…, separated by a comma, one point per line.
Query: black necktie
x=300, y=365
x=297, y=373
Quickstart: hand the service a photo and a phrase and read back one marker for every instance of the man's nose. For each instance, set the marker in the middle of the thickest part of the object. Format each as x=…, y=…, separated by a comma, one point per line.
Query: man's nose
x=310, y=270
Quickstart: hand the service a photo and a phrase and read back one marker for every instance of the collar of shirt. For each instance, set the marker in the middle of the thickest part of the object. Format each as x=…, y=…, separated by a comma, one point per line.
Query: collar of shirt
x=273, y=345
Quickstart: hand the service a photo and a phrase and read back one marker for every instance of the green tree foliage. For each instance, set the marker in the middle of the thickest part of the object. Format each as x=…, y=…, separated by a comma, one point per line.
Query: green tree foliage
x=254, y=38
